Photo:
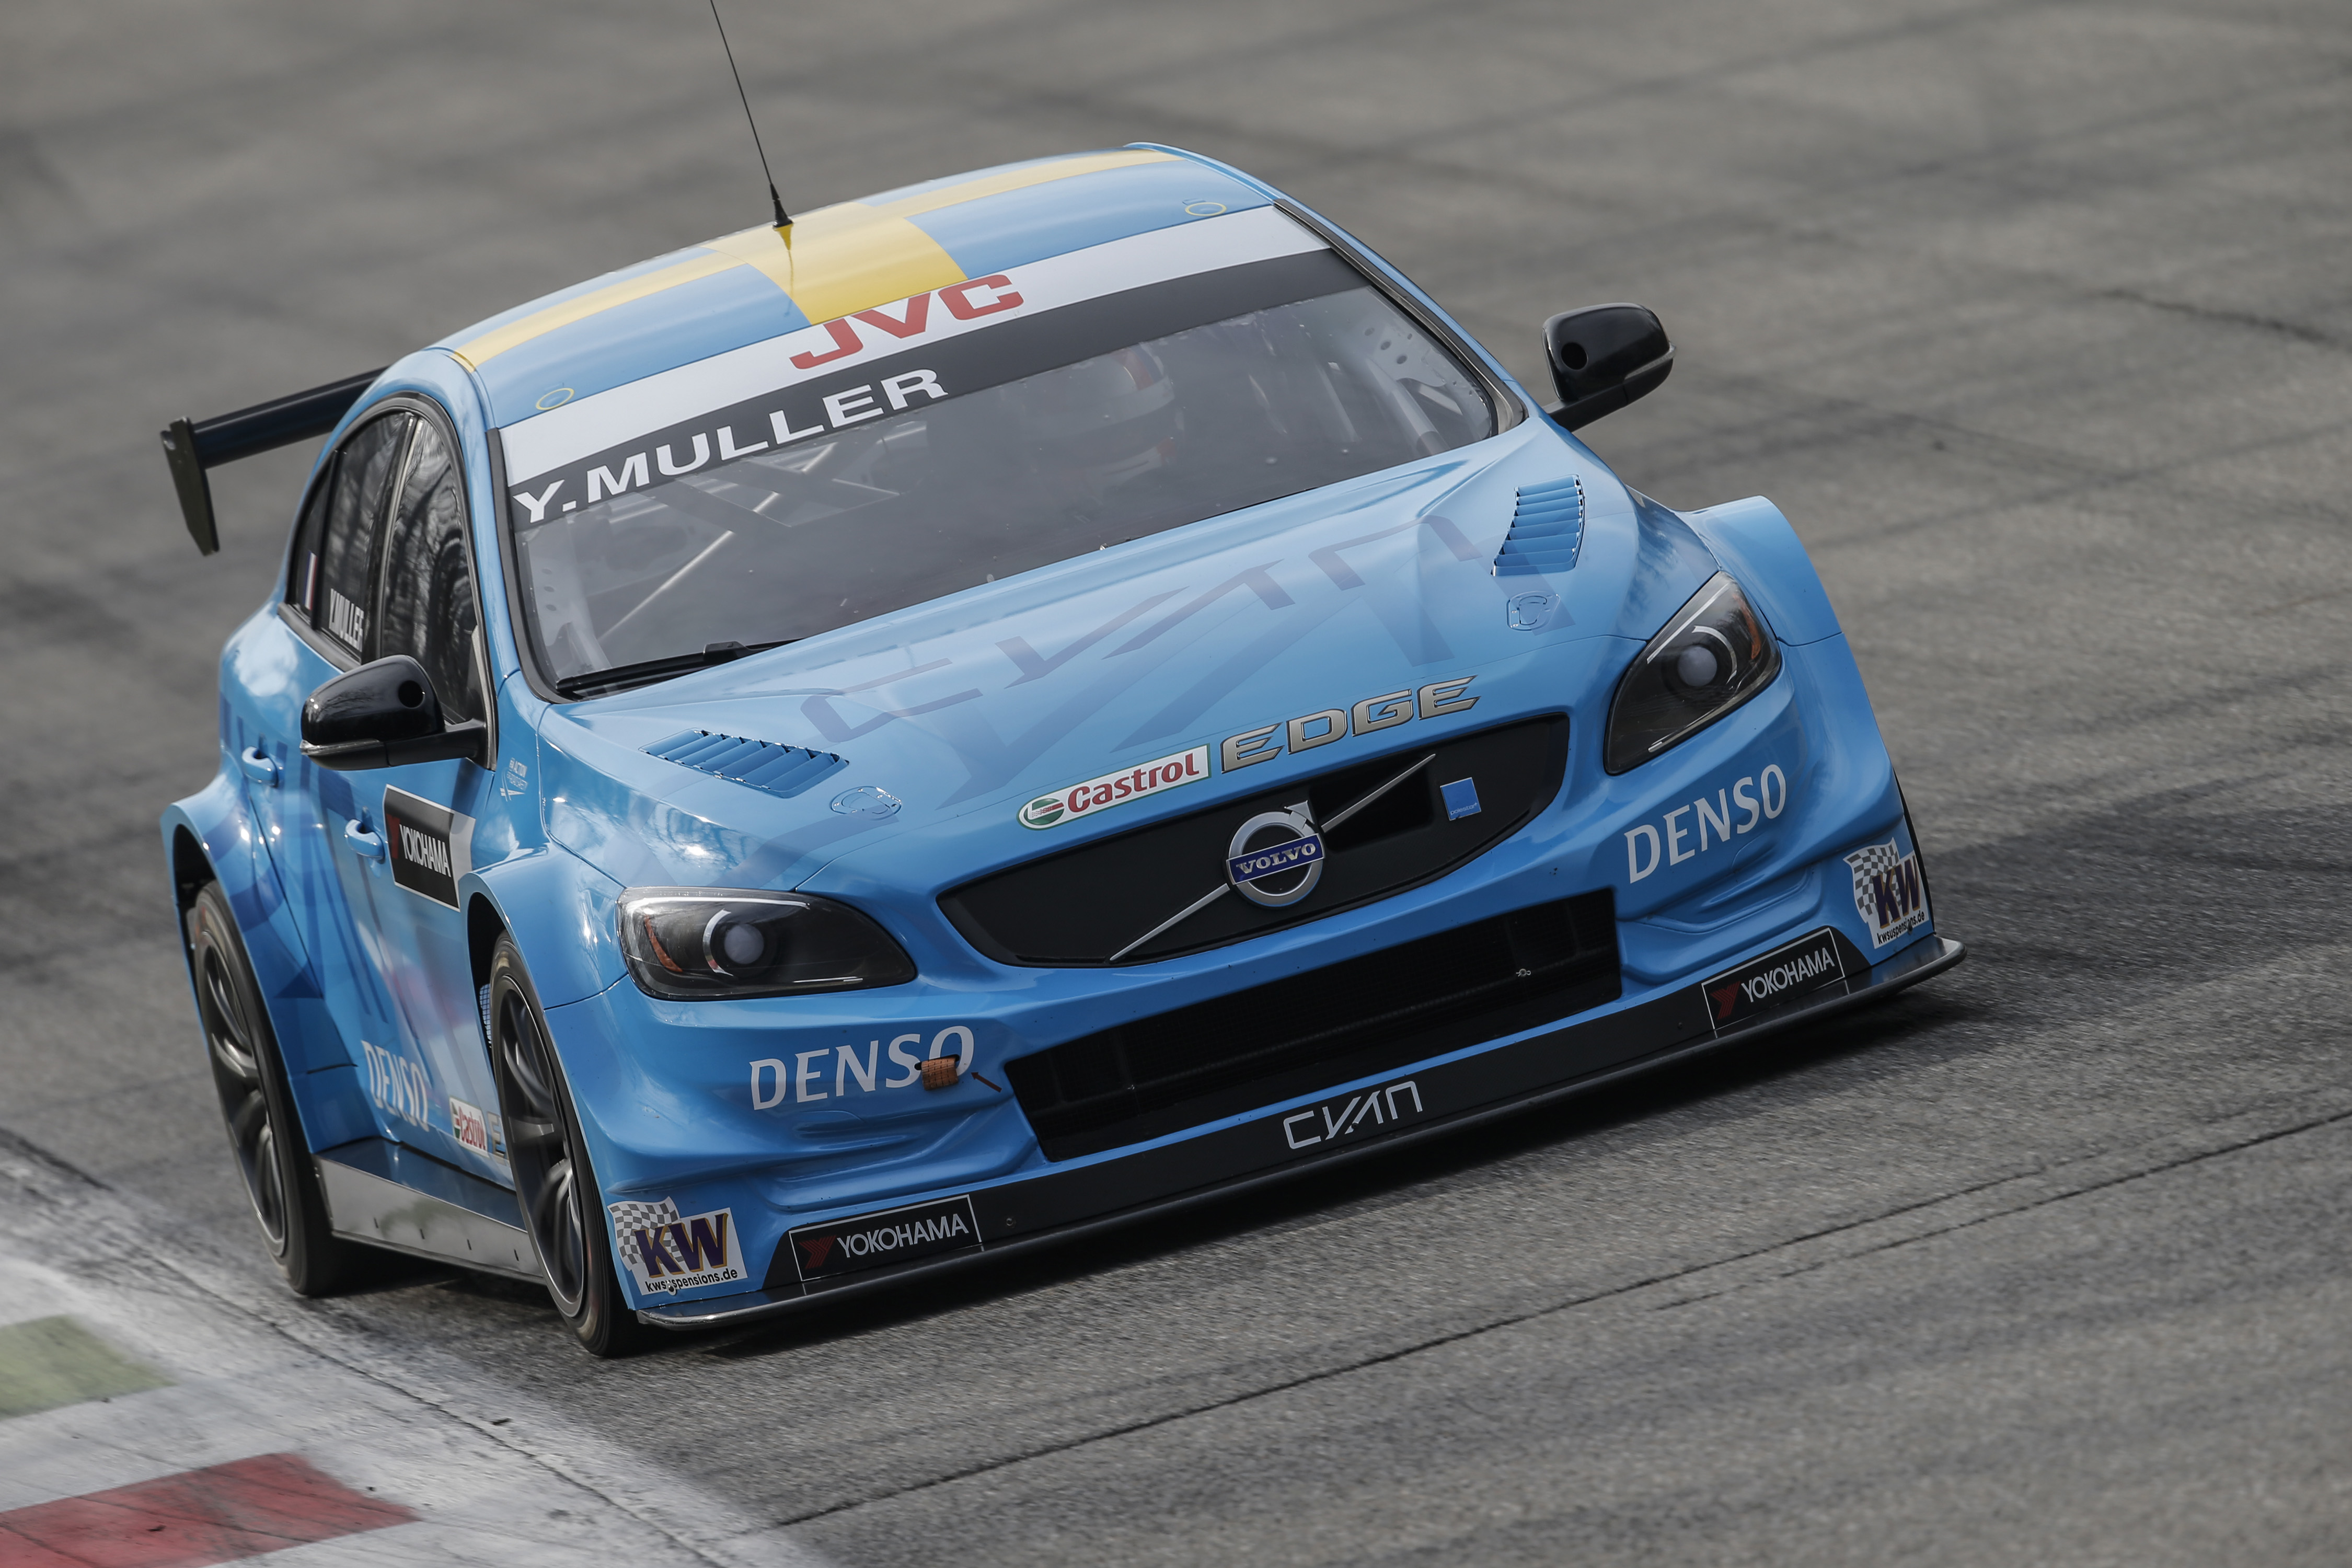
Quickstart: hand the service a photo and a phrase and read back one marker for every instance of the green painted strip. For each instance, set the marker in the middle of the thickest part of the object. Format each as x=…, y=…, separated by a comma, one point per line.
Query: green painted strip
x=53, y=1362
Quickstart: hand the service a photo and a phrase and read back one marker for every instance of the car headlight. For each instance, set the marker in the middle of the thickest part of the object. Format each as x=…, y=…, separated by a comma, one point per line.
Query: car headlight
x=1715, y=654
x=692, y=944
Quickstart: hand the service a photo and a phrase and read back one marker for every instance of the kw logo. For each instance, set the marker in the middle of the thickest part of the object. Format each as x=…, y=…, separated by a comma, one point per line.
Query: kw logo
x=1889, y=892
x=668, y=1252
x=687, y=1247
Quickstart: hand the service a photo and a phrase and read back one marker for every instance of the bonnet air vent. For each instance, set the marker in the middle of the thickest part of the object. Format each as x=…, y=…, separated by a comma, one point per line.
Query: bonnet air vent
x=779, y=770
x=1546, y=531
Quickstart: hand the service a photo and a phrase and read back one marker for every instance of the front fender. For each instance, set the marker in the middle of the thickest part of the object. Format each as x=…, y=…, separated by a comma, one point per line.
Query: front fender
x=560, y=912
x=220, y=821
x=1756, y=544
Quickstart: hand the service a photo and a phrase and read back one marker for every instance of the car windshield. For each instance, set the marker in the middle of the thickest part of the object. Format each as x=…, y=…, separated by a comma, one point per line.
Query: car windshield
x=1021, y=444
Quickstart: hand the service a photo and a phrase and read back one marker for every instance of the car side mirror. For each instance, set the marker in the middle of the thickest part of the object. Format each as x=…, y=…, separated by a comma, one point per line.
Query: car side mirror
x=385, y=715
x=1602, y=358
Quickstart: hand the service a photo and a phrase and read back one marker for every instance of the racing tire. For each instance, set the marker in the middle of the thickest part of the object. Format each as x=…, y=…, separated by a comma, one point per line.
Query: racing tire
x=263, y=1132
x=555, y=1182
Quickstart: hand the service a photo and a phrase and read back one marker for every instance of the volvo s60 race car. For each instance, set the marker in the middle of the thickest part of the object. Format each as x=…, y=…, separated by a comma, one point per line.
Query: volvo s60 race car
x=984, y=713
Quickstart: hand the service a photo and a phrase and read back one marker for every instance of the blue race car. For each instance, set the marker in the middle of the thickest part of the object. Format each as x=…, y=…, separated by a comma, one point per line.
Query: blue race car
x=980, y=714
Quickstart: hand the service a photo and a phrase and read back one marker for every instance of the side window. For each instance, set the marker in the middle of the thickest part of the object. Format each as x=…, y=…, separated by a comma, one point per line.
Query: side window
x=302, y=573
x=428, y=594
x=331, y=580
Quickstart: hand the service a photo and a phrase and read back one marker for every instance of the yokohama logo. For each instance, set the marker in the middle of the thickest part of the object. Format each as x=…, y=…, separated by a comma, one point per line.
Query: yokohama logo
x=430, y=846
x=906, y=1233
x=431, y=853
x=1810, y=964
x=1773, y=981
x=894, y=1235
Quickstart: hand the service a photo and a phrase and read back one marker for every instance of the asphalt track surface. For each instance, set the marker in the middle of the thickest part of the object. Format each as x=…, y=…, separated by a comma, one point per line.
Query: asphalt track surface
x=2034, y=318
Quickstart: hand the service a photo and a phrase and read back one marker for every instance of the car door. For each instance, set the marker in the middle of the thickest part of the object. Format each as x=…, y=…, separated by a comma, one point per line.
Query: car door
x=308, y=812
x=427, y=816
x=270, y=670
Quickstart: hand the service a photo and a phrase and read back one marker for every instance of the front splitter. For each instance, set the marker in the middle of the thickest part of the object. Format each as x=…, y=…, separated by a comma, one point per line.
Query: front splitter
x=1402, y=1107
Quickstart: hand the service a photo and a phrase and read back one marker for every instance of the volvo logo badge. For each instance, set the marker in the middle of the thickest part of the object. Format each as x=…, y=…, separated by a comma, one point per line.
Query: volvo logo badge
x=1275, y=858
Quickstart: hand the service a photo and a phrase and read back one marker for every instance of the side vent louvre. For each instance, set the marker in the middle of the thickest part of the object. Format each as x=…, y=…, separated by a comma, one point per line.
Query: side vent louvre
x=779, y=770
x=1546, y=531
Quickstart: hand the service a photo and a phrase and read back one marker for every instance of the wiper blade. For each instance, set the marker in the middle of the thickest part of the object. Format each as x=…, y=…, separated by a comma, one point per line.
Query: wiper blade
x=647, y=670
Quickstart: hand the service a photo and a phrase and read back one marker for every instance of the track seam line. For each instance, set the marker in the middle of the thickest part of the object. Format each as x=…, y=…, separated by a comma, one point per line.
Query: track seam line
x=2027, y=1207
x=1516, y=1319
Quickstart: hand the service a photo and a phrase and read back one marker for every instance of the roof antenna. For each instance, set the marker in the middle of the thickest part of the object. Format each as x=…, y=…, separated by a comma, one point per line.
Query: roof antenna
x=783, y=218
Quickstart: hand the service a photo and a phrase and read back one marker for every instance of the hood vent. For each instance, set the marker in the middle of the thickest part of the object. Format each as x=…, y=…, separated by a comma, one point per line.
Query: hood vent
x=1546, y=531
x=780, y=769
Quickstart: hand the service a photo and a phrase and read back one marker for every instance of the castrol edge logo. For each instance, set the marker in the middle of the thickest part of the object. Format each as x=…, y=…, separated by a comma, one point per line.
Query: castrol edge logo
x=1263, y=744
x=1115, y=789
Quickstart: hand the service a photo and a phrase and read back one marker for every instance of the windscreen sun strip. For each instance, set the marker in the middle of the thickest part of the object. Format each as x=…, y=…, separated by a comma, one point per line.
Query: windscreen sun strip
x=916, y=377
x=560, y=438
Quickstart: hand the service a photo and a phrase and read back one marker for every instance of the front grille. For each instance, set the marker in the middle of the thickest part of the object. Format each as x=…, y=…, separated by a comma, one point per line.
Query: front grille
x=1347, y=1020
x=1087, y=906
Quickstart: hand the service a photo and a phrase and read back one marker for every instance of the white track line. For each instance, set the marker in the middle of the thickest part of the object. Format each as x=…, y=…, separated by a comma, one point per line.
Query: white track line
x=257, y=1370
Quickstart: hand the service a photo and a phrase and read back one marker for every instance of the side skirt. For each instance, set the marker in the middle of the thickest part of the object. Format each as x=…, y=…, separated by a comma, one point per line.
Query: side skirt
x=366, y=1206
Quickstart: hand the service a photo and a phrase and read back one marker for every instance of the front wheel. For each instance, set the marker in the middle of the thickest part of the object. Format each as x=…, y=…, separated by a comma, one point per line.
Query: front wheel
x=562, y=1204
x=257, y=1104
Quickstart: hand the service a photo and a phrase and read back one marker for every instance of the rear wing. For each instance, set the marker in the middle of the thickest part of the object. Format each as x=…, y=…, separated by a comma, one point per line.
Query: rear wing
x=191, y=447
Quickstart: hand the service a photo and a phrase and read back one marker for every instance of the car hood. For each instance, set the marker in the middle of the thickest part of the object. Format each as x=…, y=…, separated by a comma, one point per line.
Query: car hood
x=960, y=709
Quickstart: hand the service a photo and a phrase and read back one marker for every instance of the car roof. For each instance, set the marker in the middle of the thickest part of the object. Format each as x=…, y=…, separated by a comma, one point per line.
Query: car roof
x=760, y=283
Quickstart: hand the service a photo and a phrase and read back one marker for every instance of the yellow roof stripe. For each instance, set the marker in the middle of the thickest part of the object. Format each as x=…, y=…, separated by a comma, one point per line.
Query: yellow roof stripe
x=841, y=259
x=832, y=262
x=1020, y=179
x=595, y=302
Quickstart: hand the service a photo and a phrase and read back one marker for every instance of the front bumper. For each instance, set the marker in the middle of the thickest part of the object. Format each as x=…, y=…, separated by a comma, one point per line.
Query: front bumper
x=1413, y=1104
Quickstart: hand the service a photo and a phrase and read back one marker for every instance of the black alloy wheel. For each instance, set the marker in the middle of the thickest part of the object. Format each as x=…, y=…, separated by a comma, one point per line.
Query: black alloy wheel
x=563, y=1207
x=263, y=1132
